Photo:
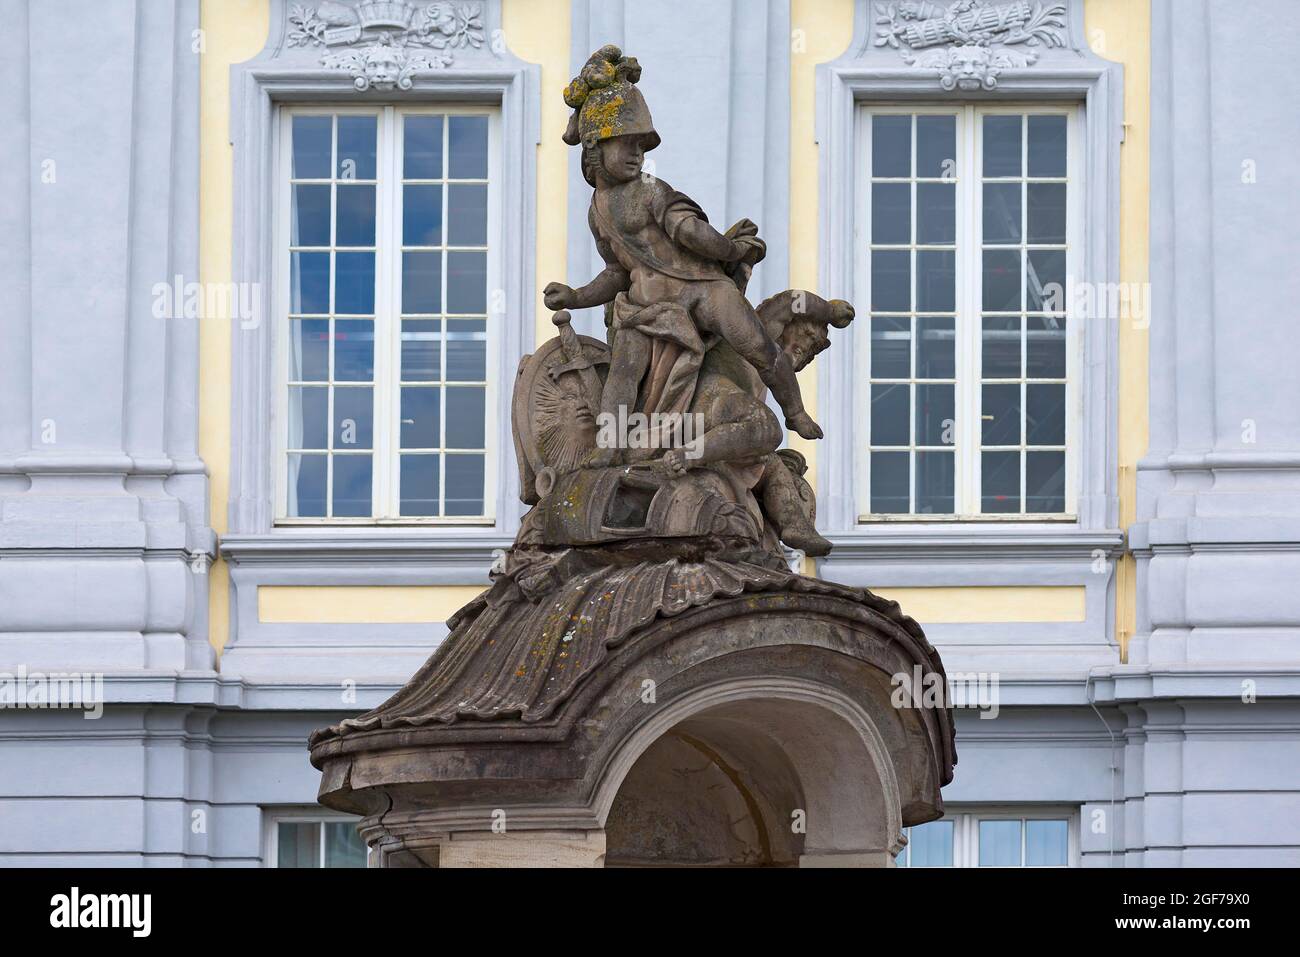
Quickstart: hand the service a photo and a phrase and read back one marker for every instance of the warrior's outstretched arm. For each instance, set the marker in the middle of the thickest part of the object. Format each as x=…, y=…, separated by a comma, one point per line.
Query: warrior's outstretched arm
x=612, y=280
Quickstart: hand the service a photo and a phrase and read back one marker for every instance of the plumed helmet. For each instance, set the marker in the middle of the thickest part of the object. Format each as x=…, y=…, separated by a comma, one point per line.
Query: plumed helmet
x=606, y=102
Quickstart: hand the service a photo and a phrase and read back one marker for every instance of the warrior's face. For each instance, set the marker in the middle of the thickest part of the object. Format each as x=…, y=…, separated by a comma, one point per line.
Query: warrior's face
x=621, y=158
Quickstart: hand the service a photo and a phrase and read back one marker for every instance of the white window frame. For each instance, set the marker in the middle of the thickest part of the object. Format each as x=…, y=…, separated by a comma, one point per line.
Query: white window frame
x=385, y=493
x=272, y=818
x=965, y=831
x=969, y=292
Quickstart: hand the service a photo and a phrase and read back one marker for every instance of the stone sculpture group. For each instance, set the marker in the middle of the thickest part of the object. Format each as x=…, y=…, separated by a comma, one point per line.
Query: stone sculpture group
x=628, y=535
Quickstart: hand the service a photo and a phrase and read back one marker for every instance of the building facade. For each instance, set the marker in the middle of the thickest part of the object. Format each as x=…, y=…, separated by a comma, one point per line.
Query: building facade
x=276, y=263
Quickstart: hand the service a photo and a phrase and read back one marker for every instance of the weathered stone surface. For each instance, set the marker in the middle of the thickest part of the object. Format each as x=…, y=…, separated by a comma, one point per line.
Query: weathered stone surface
x=645, y=661
x=511, y=656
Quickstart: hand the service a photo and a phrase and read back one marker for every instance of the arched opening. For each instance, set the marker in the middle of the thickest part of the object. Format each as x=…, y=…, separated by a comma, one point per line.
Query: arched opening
x=767, y=782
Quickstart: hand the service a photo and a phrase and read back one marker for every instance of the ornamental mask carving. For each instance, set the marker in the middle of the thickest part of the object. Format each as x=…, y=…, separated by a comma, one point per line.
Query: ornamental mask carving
x=384, y=43
x=969, y=43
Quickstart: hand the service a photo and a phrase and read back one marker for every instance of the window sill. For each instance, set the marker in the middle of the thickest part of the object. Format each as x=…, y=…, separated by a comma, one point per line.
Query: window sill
x=1051, y=518
x=957, y=541
x=448, y=522
x=465, y=547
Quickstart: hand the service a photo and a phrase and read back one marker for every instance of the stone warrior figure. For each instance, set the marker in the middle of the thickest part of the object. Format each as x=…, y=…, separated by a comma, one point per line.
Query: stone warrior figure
x=684, y=338
x=659, y=249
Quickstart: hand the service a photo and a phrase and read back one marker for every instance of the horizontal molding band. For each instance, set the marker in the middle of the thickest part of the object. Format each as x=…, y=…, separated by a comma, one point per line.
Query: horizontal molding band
x=1125, y=685
x=959, y=544
x=80, y=554
x=1225, y=533
x=89, y=463
x=1202, y=461
x=398, y=547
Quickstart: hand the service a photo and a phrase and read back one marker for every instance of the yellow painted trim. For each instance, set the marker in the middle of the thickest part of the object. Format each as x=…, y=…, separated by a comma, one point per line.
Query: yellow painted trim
x=1120, y=30
x=820, y=30
x=538, y=31
x=361, y=604
x=233, y=31
x=990, y=604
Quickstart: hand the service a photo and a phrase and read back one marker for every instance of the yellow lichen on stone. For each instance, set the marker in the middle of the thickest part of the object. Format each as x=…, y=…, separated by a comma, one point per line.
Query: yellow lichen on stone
x=604, y=115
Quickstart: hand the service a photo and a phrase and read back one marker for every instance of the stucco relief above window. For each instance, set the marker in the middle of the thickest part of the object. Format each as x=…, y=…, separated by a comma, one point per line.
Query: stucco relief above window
x=384, y=44
x=970, y=42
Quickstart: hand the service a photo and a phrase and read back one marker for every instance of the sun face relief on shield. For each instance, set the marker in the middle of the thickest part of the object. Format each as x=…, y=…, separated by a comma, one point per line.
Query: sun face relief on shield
x=664, y=263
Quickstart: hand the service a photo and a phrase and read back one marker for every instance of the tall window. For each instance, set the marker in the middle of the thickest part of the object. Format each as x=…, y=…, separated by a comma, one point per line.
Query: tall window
x=993, y=838
x=969, y=227
x=385, y=269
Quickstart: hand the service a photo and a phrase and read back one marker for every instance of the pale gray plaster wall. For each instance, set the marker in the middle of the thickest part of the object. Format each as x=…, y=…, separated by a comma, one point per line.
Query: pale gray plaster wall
x=1215, y=780
x=98, y=528
x=1219, y=489
x=104, y=537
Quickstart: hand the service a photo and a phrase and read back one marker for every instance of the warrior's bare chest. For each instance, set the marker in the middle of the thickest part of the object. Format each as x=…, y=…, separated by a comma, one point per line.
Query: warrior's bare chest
x=627, y=212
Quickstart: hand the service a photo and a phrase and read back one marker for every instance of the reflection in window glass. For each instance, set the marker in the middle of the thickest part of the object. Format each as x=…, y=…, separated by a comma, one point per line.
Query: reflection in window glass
x=468, y=147
x=1000, y=843
x=422, y=140
x=343, y=845
x=464, y=494
x=420, y=484
x=319, y=843
x=299, y=845
x=356, y=147
x=313, y=145
x=930, y=845
x=1047, y=844
x=975, y=839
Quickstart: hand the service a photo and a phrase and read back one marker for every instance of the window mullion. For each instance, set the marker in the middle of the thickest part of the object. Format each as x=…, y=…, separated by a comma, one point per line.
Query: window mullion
x=973, y=201
x=442, y=321
x=387, y=325
x=913, y=238
x=333, y=280
x=1024, y=309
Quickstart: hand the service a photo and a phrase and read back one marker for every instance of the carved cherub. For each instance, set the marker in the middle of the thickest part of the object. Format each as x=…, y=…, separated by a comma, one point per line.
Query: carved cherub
x=660, y=250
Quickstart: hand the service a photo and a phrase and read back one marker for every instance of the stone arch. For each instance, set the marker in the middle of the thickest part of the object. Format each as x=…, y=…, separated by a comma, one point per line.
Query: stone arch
x=805, y=767
x=782, y=699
